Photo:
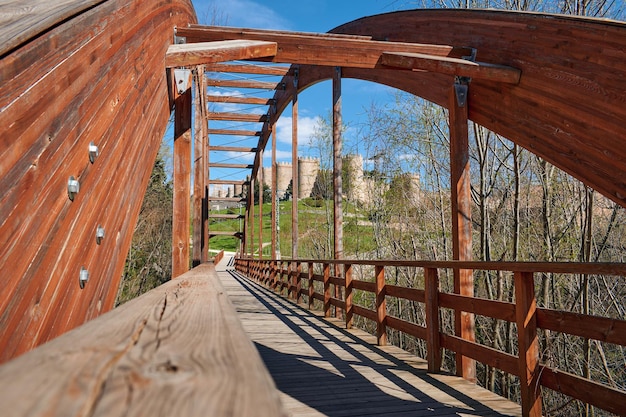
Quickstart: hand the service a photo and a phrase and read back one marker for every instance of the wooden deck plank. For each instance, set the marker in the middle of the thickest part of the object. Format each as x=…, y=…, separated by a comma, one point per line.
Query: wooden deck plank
x=322, y=369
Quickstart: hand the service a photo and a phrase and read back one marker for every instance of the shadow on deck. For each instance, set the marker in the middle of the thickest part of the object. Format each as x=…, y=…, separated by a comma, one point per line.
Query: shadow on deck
x=323, y=369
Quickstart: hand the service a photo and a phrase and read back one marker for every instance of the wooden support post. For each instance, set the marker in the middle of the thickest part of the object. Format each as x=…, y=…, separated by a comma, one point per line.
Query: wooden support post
x=199, y=170
x=298, y=273
x=294, y=176
x=461, y=220
x=311, y=286
x=251, y=219
x=204, y=252
x=337, y=179
x=381, y=306
x=274, y=205
x=326, y=290
x=347, y=273
x=260, y=181
x=182, y=184
x=528, y=343
x=431, y=287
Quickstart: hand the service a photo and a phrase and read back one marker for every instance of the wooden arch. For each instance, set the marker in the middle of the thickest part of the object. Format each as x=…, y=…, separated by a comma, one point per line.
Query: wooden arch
x=569, y=105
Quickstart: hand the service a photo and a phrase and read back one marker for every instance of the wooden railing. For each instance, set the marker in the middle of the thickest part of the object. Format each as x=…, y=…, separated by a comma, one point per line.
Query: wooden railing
x=178, y=350
x=288, y=276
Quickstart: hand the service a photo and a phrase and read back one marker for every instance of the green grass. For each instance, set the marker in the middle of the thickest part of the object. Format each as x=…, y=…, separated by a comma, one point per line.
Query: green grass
x=315, y=220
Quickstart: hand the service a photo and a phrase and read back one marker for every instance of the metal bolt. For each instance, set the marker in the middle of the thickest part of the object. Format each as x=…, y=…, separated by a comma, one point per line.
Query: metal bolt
x=83, y=277
x=73, y=187
x=99, y=234
x=93, y=152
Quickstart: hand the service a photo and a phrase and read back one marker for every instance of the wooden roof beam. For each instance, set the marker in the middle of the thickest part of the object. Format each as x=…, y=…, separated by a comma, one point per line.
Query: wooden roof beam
x=452, y=66
x=298, y=48
x=237, y=117
x=229, y=199
x=231, y=149
x=224, y=165
x=187, y=54
x=261, y=85
x=229, y=182
x=248, y=69
x=240, y=100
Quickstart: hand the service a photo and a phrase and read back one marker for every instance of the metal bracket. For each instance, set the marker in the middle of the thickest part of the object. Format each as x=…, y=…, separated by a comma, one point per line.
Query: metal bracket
x=461, y=87
x=182, y=78
x=296, y=73
x=179, y=39
x=472, y=56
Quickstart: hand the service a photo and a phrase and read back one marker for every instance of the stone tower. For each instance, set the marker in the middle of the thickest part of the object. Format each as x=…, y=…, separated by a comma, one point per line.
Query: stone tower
x=354, y=185
x=307, y=173
x=283, y=178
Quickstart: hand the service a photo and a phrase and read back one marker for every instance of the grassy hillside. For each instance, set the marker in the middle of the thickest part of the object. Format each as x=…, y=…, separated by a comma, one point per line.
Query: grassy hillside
x=315, y=220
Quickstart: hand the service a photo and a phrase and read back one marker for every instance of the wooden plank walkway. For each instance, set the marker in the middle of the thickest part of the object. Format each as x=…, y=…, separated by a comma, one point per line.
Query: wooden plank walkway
x=321, y=369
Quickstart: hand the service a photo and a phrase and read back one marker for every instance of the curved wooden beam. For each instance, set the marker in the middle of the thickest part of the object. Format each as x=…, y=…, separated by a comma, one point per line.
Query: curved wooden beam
x=568, y=106
x=97, y=75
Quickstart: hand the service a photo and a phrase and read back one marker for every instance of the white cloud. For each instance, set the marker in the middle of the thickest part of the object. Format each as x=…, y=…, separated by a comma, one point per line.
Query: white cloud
x=306, y=129
x=241, y=13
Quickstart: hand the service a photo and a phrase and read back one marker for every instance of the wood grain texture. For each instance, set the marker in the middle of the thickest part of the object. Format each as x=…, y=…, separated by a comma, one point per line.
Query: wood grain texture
x=60, y=91
x=21, y=20
x=183, y=55
x=569, y=105
x=321, y=369
x=177, y=350
x=452, y=66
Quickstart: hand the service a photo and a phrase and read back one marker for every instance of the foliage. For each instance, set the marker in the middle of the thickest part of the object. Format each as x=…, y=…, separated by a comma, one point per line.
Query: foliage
x=149, y=261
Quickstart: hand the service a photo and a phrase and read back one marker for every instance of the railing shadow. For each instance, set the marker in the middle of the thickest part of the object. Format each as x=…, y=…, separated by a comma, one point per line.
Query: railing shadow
x=347, y=391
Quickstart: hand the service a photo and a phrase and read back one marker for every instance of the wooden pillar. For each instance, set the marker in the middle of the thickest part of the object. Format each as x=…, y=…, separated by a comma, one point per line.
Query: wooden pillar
x=298, y=283
x=528, y=343
x=199, y=168
x=294, y=177
x=311, y=285
x=251, y=219
x=461, y=219
x=431, y=288
x=347, y=273
x=326, y=290
x=337, y=167
x=260, y=181
x=337, y=177
x=182, y=183
x=204, y=255
x=274, y=205
x=381, y=306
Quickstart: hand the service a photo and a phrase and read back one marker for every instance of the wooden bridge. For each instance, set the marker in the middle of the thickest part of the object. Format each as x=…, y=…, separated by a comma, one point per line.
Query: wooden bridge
x=86, y=90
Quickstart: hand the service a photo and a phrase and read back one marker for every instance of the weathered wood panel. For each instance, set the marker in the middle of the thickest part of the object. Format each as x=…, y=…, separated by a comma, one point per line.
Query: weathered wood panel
x=177, y=350
x=91, y=78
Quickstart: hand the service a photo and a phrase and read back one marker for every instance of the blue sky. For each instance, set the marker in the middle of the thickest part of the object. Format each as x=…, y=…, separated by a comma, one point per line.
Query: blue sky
x=315, y=102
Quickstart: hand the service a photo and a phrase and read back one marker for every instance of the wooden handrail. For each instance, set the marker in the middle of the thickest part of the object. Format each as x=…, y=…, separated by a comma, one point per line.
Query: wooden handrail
x=180, y=344
x=524, y=312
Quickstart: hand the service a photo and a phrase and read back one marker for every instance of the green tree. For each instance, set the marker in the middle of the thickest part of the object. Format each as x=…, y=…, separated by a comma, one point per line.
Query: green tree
x=149, y=261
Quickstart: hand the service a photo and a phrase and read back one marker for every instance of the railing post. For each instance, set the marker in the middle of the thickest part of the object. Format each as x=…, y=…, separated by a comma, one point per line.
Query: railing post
x=381, y=306
x=431, y=288
x=311, y=287
x=272, y=283
x=528, y=343
x=326, y=290
x=347, y=273
x=298, y=295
